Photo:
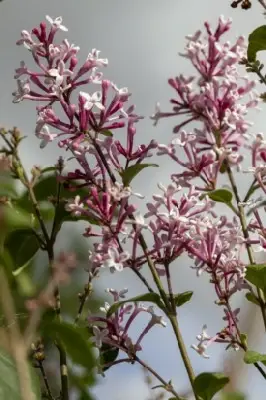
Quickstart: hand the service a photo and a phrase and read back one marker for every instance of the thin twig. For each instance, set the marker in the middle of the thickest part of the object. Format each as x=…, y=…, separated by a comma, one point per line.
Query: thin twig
x=87, y=291
x=167, y=385
x=45, y=380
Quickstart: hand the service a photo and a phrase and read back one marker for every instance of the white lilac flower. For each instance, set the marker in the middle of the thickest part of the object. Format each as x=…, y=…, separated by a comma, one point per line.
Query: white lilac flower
x=75, y=206
x=92, y=100
x=22, y=90
x=99, y=335
x=105, y=308
x=57, y=23
x=115, y=260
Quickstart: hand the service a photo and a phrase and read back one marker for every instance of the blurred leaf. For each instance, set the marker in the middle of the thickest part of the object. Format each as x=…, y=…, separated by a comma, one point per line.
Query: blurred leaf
x=252, y=298
x=108, y=354
x=150, y=297
x=131, y=172
x=24, y=283
x=74, y=340
x=208, y=384
x=9, y=384
x=6, y=262
x=16, y=218
x=47, y=187
x=256, y=274
x=49, y=169
x=252, y=357
x=7, y=187
x=256, y=42
x=22, y=245
x=233, y=396
x=182, y=298
x=244, y=339
x=221, y=196
x=81, y=384
x=47, y=211
x=106, y=133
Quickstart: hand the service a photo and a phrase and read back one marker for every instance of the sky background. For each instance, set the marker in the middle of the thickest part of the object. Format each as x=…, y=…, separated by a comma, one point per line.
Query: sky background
x=141, y=39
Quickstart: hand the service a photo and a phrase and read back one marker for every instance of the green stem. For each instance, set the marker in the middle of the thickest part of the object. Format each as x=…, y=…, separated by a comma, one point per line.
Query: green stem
x=243, y=223
x=45, y=380
x=170, y=312
x=183, y=352
x=167, y=385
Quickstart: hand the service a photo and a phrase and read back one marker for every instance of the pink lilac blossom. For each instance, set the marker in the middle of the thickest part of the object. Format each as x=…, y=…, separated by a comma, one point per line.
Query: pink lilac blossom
x=177, y=222
x=219, y=98
x=114, y=329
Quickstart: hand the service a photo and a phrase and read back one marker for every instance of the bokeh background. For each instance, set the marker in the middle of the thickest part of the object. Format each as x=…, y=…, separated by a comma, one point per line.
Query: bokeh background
x=141, y=39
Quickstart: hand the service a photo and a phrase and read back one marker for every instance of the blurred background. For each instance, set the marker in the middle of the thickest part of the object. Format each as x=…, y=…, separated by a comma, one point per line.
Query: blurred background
x=141, y=39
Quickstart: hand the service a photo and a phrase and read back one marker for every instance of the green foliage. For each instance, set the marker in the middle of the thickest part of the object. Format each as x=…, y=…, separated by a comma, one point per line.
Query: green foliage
x=108, y=354
x=233, y=396
x=131, y=172
x=256, y=42
x=244, y=339
x=221, y=196
x=7, y=186
x=22, y=246
x=150, y=297
x=9, y=384
x=207, y=384
x=252, y=357
x=256, y=274
x=74, y=340
x=16, y=218
x=182, y=298
x=252, y=298
x=107, y=133
x=46, y=188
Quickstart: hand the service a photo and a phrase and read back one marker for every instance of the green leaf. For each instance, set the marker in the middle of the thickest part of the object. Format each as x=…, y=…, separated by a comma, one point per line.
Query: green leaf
x=47, y=211
x=208, y=384
x=182, y=298
x=16, y=218
x=129, y=174
x=49, y=169
x=9, y=384
x=22, y=246
x=106, y=133
x=25, y=285
x=244, y=339
x=108, y=354
x=82, y=383
x=252, y=357
x=47, y=187
x=150, y=297
x=256, y=274
x=233, y=396
x=7, y=185
x=221, y=196
x=7, y=189
x=252, y=298
x=74, y=340
x=256, y=42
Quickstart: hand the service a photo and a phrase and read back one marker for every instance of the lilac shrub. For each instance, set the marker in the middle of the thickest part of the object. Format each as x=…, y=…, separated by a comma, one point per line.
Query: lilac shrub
x=181, y=218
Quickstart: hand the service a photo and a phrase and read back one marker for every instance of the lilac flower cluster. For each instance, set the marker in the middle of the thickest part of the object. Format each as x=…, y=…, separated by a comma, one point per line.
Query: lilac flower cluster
x=219, y=101
x=177, y=223
x=114, y=330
